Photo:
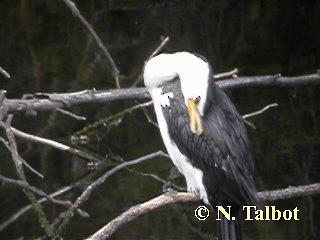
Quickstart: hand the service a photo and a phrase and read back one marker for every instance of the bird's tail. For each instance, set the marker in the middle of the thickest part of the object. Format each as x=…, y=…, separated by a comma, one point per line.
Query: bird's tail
x=229, y=229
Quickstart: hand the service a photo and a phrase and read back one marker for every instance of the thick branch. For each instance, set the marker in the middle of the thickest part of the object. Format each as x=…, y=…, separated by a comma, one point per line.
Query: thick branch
x=290, y=192
x=270, y=80
x=140, y=209
x=51, y=101
x=174, y=197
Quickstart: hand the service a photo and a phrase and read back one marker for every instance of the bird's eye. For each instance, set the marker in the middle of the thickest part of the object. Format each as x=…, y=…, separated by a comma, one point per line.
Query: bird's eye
x=197, y=100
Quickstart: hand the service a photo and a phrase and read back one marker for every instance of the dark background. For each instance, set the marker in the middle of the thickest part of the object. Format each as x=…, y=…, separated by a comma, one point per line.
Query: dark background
x=46, y=49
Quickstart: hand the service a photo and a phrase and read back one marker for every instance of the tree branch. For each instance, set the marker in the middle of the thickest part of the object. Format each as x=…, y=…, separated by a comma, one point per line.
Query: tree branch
x=270, y=80
x=72, y=6
x=23, y=210
x=7, y=145
x=260, y=111
x=156, y=51
x=20, y=172
x=159, y=48
x=4, y=73
x=233, y=73
x=290, y=192
x=87, y=192
x=25, y=185
x=111, y=118
x=175, y=197
x=70, y=114
x=51, y=101
x=57, y=145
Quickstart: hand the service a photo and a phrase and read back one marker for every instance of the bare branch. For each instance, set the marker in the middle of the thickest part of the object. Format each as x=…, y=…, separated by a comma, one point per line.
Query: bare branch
x=6, y=144
x=4, y=73
x=19, y=169
x=3, y=109
x=33, y=138
x=270, y=80
x=151, y=175
x=175, y=197
x=149, y=118
x=250, y=124
x=290, y=192
x=156, y=51
x=72, y=6
x=51, y=101
x=23, y=210
x=75, y=116
x=57, y=145
x=85, y=195
x=112, y=118
x=260, y=111
x=233, y=73
x=140, y=209
x=27, y=186
x=159, y=48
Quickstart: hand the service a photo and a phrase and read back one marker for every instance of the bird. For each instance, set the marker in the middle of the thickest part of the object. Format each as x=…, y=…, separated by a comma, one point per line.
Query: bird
x=203, y=133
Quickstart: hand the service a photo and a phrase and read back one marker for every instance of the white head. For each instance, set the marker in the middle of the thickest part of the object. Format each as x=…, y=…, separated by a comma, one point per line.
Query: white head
x=193, y=73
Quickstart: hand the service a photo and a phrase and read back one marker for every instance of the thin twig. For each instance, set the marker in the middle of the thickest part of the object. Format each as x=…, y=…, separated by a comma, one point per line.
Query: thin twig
x=160, y=47
x=175, y=197
x=260, y=111
x=24, y=209
x=112, y=118
x=156, y=51
x=154, y=176
x=57, y=145
x=36, y=139
x=4, y=73
x=233, y=73
x=19, y=169
x=6, y=144
x=149, y=118
x=87, y=192
x=78, y=184
x=250, y=124
x=72, y=6
x=27, y=186
x=70, y=114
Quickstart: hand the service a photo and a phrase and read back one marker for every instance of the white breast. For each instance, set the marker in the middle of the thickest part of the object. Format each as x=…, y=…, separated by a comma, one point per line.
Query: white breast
x=193, y=175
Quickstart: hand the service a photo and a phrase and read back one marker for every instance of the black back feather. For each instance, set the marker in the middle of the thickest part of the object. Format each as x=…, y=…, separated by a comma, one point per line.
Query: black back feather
x=222, y=151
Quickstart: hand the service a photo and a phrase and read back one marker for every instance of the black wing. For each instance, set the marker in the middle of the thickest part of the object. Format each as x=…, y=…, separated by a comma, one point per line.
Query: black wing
x=222, y=151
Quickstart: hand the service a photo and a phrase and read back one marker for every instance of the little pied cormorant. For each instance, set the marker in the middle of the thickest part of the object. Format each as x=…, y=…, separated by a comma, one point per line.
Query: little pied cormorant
x=204, y=134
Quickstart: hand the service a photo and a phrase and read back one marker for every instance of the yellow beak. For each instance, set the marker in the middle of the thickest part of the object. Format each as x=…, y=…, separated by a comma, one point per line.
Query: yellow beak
x=195, y=118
